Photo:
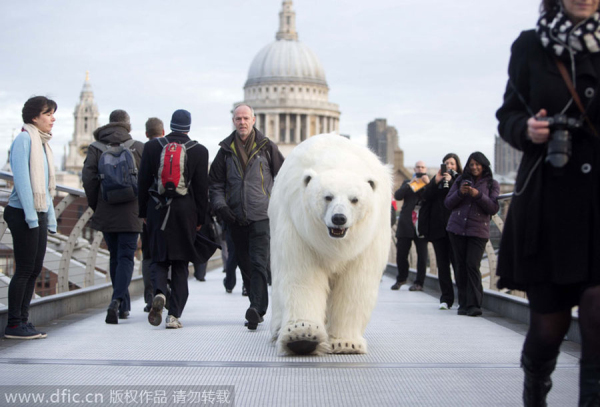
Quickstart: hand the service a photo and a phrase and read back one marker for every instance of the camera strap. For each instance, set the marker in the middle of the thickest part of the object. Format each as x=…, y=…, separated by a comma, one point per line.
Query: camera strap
x=569, y=83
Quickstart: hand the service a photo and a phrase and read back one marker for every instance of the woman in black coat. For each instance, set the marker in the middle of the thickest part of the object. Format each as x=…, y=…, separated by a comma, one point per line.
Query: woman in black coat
x=433, y=218
x=551, y=241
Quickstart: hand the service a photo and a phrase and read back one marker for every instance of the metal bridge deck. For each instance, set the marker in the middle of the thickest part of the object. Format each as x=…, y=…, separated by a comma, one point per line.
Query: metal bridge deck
x=418, y=356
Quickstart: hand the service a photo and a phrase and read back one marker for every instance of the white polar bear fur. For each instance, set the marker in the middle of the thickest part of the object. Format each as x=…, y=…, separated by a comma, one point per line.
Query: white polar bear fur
x=325, y=288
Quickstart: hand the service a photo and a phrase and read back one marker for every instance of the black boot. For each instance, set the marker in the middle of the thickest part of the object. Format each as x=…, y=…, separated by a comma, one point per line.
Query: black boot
x=537, y=382
x=589, y=384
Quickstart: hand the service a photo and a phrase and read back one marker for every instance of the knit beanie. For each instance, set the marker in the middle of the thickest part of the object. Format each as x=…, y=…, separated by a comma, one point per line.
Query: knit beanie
x=181, y=121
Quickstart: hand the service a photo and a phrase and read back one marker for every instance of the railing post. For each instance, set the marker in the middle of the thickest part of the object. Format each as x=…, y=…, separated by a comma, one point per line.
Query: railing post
x=63, y=268
x=90, y=266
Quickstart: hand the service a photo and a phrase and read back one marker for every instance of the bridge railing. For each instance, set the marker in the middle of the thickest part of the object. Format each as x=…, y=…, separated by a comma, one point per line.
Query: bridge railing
x=74, y=256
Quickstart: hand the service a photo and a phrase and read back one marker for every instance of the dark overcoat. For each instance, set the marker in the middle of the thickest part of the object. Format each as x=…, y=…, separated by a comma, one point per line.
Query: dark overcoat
x=176, y=242
x=433, y=216
x=552, y=231
x=406, y=228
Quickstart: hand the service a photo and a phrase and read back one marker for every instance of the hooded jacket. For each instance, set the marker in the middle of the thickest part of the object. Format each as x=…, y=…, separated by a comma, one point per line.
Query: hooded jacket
x=247, y=192
x=107, y=217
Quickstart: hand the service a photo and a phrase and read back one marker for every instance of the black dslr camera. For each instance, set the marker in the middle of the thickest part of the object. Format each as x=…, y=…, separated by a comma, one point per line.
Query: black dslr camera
x=443, y=170
x=559, y=143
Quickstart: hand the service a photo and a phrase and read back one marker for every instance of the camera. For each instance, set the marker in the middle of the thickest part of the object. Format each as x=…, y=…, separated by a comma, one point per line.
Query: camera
x=559, y=143
x=444, y=170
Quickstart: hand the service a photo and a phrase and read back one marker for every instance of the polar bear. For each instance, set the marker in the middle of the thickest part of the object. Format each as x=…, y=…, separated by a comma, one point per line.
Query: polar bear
x=330, y=237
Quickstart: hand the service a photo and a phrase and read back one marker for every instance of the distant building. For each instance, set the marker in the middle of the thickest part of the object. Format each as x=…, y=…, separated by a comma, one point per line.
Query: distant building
x=383, y=141
x=506, y=158
x=287, y=89
x=86, y=121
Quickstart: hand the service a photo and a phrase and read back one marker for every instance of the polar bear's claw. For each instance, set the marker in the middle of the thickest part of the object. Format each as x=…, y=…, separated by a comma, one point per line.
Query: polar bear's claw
x=303, y=338
x=348, y=346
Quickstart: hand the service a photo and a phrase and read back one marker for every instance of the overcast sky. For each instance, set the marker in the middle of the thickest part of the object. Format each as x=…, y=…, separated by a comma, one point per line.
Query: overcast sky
x=436, y=70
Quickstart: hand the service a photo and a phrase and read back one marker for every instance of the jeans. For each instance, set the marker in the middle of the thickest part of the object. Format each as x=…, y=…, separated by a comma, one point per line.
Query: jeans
x=402, y=249
x=252, y=251
x=122, y=246
x=29, y=250
x=468, y=252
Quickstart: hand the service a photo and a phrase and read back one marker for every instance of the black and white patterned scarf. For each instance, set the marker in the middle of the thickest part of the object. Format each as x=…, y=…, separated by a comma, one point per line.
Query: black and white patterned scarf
x=560, y=34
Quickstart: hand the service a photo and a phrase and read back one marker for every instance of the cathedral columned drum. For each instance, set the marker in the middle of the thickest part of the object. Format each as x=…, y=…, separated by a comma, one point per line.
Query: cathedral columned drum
x=287, y=89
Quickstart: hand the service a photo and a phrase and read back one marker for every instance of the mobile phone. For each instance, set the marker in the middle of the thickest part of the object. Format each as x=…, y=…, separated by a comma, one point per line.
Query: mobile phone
x=443, y=169
x=467, y=182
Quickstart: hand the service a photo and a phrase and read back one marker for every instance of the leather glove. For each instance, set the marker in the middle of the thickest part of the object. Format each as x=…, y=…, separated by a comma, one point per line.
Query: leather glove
x=227, y=215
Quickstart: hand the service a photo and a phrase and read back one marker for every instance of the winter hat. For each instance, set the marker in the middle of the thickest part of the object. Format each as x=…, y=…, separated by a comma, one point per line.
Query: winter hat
x=181, y=121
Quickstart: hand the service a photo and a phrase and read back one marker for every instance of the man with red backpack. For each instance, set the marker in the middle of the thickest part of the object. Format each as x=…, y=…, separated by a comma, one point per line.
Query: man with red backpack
x=173, y=201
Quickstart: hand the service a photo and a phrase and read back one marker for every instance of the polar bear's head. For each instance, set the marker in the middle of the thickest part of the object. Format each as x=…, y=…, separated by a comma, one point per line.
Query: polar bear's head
x=338, y=200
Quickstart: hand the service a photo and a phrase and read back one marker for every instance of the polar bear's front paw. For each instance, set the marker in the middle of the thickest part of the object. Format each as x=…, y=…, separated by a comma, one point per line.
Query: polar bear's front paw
x=303, y=338
x=355, y=345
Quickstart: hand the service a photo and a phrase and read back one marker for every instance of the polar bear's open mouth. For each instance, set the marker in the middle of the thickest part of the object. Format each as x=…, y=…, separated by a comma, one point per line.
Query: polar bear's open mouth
x=337, y=233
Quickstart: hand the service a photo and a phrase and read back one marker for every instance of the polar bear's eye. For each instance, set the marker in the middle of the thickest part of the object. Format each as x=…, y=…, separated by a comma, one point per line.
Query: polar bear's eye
x=354, y=200
x=329, y=198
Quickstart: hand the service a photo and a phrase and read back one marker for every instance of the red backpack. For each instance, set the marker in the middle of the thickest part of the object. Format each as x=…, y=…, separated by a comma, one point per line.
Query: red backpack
x=172, y=175
x=172, y=178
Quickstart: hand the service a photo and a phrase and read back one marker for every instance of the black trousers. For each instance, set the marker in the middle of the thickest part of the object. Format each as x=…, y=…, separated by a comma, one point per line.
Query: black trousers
x=159, y=270
x=231, y=262
x=252, y=252
x=402, y=250
x=468, y=252
x=444, y=257
x=29, y=247
x=122, y=246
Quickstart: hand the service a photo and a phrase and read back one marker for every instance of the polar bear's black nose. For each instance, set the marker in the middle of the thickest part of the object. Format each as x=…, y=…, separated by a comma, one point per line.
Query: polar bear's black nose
x=338, y=219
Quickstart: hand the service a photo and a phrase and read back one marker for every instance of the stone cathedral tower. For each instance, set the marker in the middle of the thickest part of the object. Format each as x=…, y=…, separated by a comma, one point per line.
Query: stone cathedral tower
x=86, y=121
x=287, y=88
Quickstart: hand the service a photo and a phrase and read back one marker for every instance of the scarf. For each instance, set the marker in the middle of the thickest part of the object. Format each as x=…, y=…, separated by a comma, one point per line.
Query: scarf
x=244, y=150
x=40, y=140
x=560, y=34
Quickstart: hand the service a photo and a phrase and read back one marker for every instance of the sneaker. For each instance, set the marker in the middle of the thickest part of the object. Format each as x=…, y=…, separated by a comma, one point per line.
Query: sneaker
x=461, y=311
x=123, y=314
x=155, y=315
x=474, y=311
x=112, y=316
x=444, y=306
x=398, y=285
x=20, y=331
x=34, y=330
x=173, y=322
x=416, y=287
x=253, y=318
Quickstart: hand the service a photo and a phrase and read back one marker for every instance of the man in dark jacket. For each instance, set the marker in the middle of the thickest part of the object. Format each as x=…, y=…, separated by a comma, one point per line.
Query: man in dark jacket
x=172, y=225
x=241, y=178
x=411, y=192
x=119, y=222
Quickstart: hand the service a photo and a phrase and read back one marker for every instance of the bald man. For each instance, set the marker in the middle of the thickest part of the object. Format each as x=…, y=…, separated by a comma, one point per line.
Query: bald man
x=411, y=192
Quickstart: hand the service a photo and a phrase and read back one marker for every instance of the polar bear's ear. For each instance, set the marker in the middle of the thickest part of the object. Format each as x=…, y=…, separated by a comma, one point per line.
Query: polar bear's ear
x=372, y=183
x=308, y=175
